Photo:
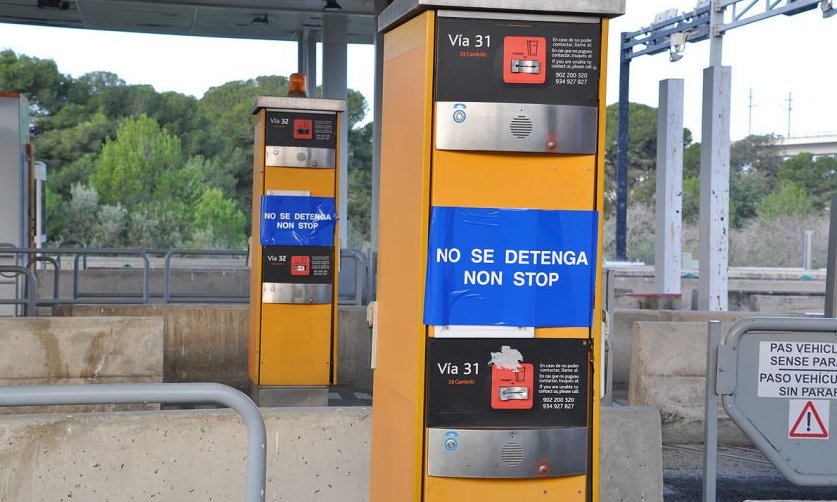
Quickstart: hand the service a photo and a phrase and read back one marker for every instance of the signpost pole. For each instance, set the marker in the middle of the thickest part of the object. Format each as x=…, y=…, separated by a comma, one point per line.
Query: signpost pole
x=710, y=425
x=831, y=265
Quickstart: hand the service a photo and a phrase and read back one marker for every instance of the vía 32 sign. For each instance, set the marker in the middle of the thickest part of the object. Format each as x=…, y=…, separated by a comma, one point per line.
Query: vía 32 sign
x=510, y=267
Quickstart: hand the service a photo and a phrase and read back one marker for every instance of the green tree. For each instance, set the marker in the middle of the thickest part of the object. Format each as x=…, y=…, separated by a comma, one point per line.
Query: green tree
x=218, y=221
x=132, y=167
x=789, y=199
x=818, y=176
x=223, y=129
x=38, y=79
x=80, y=214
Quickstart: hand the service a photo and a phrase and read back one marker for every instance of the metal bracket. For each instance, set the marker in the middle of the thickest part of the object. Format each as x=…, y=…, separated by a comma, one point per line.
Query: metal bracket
x=725, y=376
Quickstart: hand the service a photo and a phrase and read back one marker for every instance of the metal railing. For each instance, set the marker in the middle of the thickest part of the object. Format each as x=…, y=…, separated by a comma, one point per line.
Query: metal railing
x=56, y=265
x=123, y=298
x=48, y=395
x=30, y=299
x=169, y=297
x=354, y=291
x=356, y=294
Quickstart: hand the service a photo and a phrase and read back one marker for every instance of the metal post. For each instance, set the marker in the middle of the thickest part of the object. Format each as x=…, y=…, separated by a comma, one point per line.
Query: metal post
x=380, y=5
x=807, y=249
x=831, y=265
x=301, y=61
x=714, y=173
x=47, y=395
x=622, y=157
x=714, y=190
x=335, y=86
x=667, y=258
x=307, y=59
x=710, y=425
x=311, y=63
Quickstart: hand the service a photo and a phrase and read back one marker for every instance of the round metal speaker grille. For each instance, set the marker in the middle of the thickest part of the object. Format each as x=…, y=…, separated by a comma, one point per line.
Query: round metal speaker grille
x=512, y=454
x=521, y=127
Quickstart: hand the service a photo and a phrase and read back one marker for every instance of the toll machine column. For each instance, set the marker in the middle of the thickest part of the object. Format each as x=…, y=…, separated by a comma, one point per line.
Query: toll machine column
x=294, y=251
x=488, y=325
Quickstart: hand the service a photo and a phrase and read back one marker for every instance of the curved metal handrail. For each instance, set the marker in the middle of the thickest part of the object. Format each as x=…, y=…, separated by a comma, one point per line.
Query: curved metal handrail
x=47, y=395
x=167, y=295
x=31, y=289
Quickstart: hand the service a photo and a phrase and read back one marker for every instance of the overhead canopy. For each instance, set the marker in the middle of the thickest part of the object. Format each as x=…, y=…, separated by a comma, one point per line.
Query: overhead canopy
x=255, y=19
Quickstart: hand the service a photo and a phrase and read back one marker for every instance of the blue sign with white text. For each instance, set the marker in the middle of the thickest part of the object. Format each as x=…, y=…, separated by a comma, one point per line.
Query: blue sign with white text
x=510, y=267
x=297, y=221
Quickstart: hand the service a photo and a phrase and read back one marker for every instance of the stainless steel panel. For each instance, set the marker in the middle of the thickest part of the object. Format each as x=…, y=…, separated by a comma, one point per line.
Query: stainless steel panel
x=515, y=127
x=299, y=104
x=274, y=292
x=401, y=11
x=507, y=453
x=295, y=156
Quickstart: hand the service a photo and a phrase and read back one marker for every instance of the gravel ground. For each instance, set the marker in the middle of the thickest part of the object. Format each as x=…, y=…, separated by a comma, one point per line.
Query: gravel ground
x=743, y=474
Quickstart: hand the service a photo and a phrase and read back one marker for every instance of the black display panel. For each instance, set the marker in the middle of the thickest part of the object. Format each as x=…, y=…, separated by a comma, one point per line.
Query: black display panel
x=298, y=264
x=301, y=129
x=504, y=61
x=464, y=389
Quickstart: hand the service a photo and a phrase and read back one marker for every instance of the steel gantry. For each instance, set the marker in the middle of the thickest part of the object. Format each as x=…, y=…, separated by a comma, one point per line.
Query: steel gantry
x=671, y=31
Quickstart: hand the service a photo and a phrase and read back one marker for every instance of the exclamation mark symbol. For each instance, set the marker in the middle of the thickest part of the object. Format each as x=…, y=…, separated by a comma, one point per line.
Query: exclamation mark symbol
x=809, y=421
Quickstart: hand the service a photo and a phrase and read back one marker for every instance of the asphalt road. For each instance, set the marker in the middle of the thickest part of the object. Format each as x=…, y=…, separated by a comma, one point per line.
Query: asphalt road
x=743, y=474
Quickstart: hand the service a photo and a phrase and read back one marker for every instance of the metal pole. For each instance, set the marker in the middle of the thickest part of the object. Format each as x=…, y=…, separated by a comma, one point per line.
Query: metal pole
x=831, y=265
x=807, y=249
x=380, y=5
x=710, y=424
x=714, y=173
x=335, y=86
x=667, y=258
x=47, y=395
x=622, y=156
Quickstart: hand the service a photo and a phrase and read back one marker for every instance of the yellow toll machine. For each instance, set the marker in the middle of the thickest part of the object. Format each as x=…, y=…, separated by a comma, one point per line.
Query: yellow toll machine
x=294, y=251
x=488, y=335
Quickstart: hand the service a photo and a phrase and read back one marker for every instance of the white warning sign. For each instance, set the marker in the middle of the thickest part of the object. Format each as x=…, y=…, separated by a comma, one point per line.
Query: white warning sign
x=802, y=370
x=808, y=419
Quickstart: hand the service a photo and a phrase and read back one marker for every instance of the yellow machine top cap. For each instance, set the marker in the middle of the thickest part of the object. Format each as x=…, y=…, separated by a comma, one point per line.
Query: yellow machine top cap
x=402, y=10
x=296, y=103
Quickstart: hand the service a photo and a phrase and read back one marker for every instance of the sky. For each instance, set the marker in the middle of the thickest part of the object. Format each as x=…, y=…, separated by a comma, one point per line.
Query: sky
x=772, y=59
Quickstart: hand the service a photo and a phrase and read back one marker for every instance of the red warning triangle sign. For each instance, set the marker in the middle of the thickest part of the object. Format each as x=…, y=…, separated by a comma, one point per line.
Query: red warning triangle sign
x=809, y=424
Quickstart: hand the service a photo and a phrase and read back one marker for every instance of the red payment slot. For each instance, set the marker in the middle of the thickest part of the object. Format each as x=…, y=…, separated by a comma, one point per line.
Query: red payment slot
x=512, y=389
x=524, y=60
x=303, y=128
x=300, y=265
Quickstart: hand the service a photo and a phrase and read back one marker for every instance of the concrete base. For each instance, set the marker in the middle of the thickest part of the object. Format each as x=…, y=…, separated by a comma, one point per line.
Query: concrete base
x=208, y=343
x=668, y=367
x=631, y=455
x=271, y=397
x=81, y=350
x=313, y=454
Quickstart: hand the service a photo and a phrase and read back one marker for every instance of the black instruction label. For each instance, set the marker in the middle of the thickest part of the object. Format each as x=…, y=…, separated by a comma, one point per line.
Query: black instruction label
x=470, y=382
x=504, y=61
x=298, y=264
x=301, y=129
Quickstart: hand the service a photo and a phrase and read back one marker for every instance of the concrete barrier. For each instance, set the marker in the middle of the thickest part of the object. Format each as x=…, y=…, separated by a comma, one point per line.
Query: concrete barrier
x=208, y=343
x=622, y=330
x=631, y=455
x=668, y=367
x=47, y=351
x=314, y=454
